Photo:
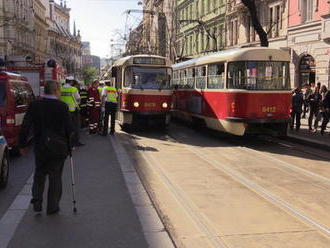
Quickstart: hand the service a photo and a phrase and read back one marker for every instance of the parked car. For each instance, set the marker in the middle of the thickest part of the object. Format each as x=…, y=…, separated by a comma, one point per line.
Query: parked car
x=15, y=95
x=4, y=164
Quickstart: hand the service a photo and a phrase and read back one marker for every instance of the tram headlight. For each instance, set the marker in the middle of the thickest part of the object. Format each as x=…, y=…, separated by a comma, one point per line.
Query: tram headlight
x=136, y=104
x=164, y=105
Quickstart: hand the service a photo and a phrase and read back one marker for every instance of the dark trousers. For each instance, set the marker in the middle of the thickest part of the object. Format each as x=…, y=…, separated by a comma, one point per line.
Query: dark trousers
x=110, y=110
x=53, y=169
x=295, y=116
x=326, y=117
x=312, y=113
x=76, y=125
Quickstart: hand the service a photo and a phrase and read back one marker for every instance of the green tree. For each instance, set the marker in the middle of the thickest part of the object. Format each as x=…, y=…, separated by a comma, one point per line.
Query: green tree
x=90, y=73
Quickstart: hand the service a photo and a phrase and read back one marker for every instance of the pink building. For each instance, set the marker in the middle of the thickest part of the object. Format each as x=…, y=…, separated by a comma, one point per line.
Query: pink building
x=309, y=40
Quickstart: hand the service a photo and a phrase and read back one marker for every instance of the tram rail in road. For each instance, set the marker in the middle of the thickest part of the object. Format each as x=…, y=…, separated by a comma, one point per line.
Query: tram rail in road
x=199, y=218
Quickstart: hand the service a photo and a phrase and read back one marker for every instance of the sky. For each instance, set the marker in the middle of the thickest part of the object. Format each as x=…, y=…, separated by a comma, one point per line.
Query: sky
x=98, y=19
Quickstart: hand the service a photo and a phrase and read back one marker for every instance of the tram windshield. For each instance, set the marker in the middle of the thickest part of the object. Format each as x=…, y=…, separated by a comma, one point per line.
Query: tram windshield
x=258, y=75
x=147, y=78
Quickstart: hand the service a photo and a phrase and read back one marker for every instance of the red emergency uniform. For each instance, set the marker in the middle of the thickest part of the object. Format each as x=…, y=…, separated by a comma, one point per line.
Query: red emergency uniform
x=94, y=105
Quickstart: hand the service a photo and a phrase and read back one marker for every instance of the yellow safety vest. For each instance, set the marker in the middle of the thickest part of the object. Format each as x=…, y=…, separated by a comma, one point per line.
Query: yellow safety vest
x=68, y=98
x=111, y=94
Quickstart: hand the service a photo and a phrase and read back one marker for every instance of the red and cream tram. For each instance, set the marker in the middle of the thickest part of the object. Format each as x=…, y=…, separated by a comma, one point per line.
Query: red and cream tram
x=143, y=82
x=239, y=91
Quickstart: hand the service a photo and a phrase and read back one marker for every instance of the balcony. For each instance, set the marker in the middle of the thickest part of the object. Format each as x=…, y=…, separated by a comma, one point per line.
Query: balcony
x=325, y=34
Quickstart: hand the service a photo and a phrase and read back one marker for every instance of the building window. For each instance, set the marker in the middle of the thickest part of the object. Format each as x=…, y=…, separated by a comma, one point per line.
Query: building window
x=275, y=19
x=307, y=10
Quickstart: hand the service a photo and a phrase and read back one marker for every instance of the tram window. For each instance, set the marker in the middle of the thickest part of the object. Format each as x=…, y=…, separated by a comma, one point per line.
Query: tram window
x=216, y=76
x=147, y=78
x=258, y=75
x=175, y=80
x=200, y=77
x=128, y=78
x=190, y=78
x=182, y=79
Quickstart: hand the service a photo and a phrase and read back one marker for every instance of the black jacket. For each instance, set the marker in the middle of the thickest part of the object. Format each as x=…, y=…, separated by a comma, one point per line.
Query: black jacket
x=50, y=114
x=297, y=102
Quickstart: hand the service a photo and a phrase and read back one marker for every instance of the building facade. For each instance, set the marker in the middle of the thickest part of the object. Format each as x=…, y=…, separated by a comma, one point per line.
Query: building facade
x=309, y=40
x=63, y=46
x=200, y=27
x=272, y=15
x=40, y=30
x=156, y=32
x=17, y=28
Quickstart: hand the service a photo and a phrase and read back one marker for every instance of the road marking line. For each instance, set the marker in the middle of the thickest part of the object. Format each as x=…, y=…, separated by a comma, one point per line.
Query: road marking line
x=14, y=214
x=153, y=228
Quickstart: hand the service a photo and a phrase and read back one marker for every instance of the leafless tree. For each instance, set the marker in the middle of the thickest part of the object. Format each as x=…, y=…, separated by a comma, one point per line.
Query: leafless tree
x=251, y=6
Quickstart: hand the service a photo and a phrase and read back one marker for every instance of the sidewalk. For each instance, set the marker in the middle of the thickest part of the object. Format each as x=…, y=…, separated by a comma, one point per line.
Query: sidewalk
x=106, y=218
x=315, y=139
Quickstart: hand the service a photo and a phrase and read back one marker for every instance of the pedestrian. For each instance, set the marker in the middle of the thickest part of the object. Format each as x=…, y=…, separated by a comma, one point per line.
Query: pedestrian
x=325, y=108
x=94, y=106
x=83, y=106
x=70, y=96
x=49, y=120
x=307, y=92
x=314, y=105
x=297, y=103
x=109, y=99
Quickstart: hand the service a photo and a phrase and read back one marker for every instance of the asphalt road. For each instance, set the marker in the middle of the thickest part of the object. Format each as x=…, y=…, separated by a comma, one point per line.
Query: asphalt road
x=21, y=169
x=216, y=190
x=210, y=190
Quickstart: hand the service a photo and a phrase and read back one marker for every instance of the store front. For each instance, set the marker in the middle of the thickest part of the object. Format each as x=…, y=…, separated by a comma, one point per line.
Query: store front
x=306, y=70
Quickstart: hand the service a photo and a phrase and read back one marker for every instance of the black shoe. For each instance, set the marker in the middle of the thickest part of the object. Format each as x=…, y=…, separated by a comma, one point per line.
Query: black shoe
x=37, y=207
x=53, y=211
x=112, y=133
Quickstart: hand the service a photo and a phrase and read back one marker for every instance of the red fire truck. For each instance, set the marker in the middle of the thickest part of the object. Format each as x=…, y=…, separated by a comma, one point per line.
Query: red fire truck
x=37, y=74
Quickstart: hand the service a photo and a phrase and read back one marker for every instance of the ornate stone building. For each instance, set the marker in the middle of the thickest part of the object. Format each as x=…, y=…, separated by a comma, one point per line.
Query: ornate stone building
x=63, y=46
x=156, y=32
x=40, y=30
x=17, y=28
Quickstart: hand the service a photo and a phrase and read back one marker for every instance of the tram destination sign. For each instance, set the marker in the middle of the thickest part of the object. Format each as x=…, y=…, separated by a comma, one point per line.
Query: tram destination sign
x=149, y=61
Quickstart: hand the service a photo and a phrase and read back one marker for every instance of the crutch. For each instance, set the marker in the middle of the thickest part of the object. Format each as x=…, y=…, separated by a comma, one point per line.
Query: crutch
x=73, y=185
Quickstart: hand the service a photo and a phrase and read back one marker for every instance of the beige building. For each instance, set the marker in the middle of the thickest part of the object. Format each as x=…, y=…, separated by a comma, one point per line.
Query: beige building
x=63, y=46
x=273, y=16
x=156, y=32
x=40, y=30
x=17, y=28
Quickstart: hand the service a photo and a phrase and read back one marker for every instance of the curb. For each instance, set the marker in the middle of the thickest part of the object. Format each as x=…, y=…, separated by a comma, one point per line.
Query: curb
x=309, y=142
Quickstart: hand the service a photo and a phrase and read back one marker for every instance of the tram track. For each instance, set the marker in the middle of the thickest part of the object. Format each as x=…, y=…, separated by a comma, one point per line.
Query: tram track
x=261, y=190
x=190, y=207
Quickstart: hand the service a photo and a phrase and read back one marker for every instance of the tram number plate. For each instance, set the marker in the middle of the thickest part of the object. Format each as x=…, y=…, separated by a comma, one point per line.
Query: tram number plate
x=150, y=105
x=268, y=109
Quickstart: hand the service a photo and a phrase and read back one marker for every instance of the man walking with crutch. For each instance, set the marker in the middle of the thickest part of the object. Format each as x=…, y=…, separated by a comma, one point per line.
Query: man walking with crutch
x=52, y=128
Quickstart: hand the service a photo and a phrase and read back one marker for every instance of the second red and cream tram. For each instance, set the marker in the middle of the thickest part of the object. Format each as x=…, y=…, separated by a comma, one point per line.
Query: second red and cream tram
x=239, y=91
x=143, y=82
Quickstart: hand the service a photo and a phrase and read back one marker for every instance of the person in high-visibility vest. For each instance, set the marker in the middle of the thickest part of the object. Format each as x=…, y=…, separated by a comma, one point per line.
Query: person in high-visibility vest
x=71, y=97
x=110, y=99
